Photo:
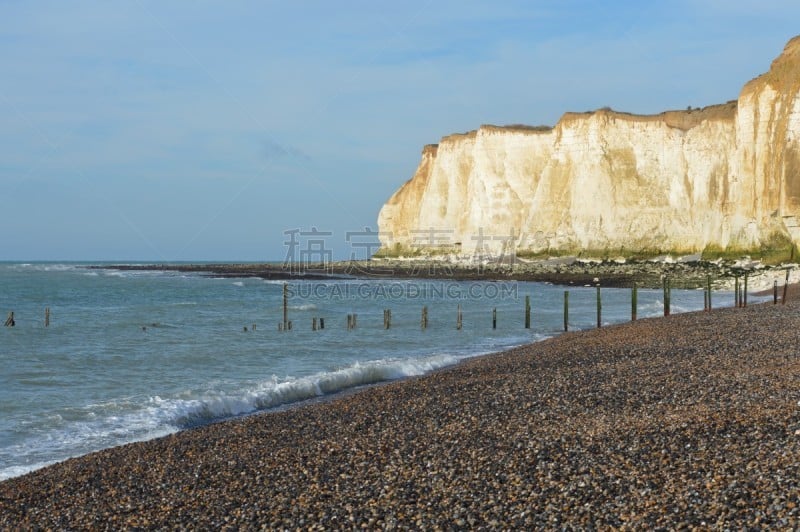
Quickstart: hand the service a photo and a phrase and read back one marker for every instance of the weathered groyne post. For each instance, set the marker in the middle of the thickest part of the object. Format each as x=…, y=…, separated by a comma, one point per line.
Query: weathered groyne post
x=47, y=317
x=744, y=301
x=10, y=320
x=527, y=312
x=775, y=292
x=494, y=318
x=423, y=322
x=285, y=305
x=599, y=307
x=785, y=288
x=634, y=302
x=458, y=317
x=708, y=285
x=566, y=310
x=669, y=295
x=736, y=300
x=387, y=318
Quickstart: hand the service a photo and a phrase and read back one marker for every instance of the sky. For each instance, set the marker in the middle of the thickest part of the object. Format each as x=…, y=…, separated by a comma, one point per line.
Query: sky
x=221, y=131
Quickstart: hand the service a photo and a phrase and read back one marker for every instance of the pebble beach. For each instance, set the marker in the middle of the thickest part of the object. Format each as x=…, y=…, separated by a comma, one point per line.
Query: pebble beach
x=688, y=421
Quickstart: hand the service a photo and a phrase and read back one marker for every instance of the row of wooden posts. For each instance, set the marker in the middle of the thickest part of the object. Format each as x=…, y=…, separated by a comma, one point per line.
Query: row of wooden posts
x=740, y=300
x=11, y=322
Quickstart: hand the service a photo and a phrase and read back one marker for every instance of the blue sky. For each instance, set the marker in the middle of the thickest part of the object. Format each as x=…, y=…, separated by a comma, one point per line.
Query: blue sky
x=166, y=131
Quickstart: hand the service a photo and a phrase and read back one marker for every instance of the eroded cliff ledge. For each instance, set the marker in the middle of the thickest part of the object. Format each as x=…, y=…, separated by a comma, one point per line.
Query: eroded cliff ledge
x=724, y=179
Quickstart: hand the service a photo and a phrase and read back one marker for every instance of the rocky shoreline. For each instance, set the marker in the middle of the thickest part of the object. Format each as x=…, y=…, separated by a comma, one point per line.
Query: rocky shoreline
x=564, y=271
x=686, y=421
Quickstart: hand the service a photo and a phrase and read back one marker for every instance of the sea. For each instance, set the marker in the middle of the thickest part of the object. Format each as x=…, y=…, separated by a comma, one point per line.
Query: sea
x=135, y=355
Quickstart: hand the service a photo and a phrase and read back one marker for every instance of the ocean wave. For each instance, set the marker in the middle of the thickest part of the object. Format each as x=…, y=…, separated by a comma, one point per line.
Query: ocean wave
x=43, y=267
x=273, y=393
x=115, y=423
x=17, y=471
x=307, y=306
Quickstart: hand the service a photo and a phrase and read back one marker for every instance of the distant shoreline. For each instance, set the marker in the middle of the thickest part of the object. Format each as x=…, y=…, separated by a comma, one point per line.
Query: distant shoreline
x=564, y=271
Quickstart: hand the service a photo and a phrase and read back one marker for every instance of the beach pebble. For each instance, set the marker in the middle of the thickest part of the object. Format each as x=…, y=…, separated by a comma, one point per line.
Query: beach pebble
x=678, y=422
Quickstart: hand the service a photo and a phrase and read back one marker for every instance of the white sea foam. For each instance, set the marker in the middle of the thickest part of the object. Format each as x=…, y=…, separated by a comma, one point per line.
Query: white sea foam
x=184, y=413
x=17, y=471
x=123, y=421
x=43, y=267
x=307, y=306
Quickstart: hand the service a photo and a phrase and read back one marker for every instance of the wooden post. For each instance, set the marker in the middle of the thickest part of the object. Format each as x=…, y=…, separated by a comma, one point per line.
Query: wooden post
x=741, y=289
x=599, y=308
x=387, y=318
x=669, y=296
x=47, y=317
x=313, y=324
x=285, y=306
x=254, y=327
x=744, y=292
x=458, y=318
x=527, y=312
x=566, y=310
x=708, y=284
x=634, y=302
x=705, y=299
x=737, y=296
x=785, y=288
x=775, y=292
x=423, y=322
x=289, y=323
x=322, y=323
x=494, y=318
x=10, y=320
x=349, y=322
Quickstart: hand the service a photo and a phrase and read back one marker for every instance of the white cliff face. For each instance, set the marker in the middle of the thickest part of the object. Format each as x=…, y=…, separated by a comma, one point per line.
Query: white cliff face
x=726, y=177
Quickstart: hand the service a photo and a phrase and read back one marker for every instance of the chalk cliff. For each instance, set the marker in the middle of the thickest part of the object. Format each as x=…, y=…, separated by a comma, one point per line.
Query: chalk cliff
x=722, y=179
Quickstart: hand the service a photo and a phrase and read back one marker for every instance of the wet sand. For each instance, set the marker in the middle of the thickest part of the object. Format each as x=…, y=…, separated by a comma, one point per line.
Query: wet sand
x=690, y=420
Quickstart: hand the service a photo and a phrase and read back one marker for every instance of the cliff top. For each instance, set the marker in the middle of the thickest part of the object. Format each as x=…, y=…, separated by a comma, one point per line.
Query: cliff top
x=784, y=74
x=683, y=120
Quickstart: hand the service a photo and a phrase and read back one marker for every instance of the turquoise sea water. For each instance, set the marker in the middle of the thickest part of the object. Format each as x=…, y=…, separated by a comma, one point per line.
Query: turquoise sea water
x=135, y=355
